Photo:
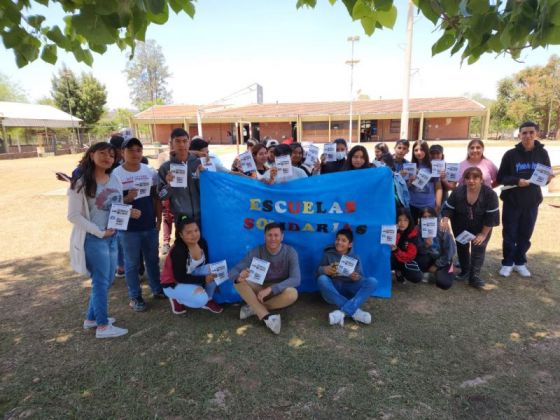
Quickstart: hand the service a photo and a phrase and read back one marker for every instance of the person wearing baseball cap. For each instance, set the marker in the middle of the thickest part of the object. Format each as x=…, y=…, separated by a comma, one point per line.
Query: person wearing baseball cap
x=140, y=239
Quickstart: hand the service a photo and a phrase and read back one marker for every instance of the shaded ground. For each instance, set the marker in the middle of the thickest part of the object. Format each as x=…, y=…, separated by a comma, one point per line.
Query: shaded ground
x=429, y=354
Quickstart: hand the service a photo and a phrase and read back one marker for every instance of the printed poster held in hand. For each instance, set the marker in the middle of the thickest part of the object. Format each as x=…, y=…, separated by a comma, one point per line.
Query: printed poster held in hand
x=119, y=216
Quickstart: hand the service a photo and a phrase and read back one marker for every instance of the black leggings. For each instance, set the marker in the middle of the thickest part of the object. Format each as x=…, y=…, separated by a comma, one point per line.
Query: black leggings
x=410, y=270
x=471, y=258
x=444, y=275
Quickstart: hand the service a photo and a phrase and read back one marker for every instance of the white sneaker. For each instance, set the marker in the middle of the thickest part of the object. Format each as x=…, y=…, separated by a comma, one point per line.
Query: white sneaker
x=88, y=325
x=274, y=323
x=522, y=270
x=246, y=312
x=337, y=318
x=110, y=332
x=506, y=270
x=362, y=316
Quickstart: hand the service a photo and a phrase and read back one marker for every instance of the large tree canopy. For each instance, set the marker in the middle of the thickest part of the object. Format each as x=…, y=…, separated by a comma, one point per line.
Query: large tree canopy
x=472, y=27
x=147, y=76
x=82, y=96
x=531, y=94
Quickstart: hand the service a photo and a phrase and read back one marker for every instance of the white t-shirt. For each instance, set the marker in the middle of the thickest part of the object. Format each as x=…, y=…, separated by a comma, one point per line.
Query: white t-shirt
x=141, y=180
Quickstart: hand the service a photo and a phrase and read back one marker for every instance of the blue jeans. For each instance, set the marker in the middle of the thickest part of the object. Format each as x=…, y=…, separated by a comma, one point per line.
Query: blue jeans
x=193, y=295
x=347, y=295
x=101, y=262
x=135, y=245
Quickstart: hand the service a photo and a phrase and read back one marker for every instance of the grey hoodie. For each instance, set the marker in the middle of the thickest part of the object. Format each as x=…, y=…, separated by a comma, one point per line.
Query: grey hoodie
x=183, y=200
x=331, y=255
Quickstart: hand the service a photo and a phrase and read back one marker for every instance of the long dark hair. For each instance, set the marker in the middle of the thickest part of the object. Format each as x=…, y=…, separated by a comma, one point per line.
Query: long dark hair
x=86, y=168
x=348, y=164
x=426, y=149
x=295, y=146
x=403, y=239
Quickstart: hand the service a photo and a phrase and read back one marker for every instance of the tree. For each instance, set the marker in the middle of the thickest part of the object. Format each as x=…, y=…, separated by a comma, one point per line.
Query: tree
x=147, y=76
x=474, y=27
x=10, y=91
x=531, y=94
x=83, y=97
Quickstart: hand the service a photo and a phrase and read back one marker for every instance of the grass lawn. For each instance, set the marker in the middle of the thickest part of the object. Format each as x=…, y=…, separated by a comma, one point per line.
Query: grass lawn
x=463, y=353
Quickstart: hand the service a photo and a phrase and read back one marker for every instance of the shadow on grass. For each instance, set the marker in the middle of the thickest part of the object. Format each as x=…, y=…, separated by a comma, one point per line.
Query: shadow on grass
x=463, y=353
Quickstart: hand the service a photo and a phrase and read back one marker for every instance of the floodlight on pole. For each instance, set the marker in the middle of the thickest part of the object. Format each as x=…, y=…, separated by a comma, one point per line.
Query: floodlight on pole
x=351, y=63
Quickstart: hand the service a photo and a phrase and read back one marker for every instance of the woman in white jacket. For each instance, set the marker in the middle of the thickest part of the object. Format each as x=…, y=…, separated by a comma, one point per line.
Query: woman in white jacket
x=93, y=247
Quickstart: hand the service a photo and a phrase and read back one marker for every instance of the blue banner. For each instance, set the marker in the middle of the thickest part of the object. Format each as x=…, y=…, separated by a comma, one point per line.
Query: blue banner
x=235, y=211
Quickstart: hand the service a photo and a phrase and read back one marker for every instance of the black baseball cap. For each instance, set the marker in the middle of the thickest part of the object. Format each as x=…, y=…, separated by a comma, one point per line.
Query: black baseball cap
x=133, y=141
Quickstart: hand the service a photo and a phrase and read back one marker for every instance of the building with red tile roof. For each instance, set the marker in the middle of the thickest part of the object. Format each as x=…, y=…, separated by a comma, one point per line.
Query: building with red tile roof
x=373, y=120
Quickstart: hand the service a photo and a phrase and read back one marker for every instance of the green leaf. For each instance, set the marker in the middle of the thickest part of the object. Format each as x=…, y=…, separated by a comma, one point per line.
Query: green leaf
x=160, y=18
x=12, y=38
x=387, y=18
x=176, y=5
x=425, y=7
x=458, y=45
x=444, y=43
x=349, y=5
x=49, y=54
x=361, y=10
x=472, y=59
x=21, y=61
x=383, y=4
x=11, y=11
x=188, y=7
x=35, y=21
x=107, y=7
x=552, y=35
x=368, y=23
x=555, y=14
x=478, y=6
x=99, y=49
x=451, y=7
x=155, y=7
x=332, y=2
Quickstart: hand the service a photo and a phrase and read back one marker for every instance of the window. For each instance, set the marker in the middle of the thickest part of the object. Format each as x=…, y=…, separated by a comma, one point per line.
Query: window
x=395, y=126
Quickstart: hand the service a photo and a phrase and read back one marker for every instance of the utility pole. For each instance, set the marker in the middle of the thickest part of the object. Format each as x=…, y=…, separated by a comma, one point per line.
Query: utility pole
x=351, y=63
x=407, y=69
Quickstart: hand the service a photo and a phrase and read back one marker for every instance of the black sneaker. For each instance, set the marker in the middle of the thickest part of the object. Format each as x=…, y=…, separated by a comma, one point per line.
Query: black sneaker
x=137, y=304
x=399, y=277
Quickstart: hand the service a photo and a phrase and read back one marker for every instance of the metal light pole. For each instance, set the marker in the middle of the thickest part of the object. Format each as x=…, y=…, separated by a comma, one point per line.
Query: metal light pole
x=351, y=63
x=407, y=60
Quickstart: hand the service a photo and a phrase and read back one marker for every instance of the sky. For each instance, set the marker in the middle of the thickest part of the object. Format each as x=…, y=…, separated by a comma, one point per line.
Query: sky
x=296, y=55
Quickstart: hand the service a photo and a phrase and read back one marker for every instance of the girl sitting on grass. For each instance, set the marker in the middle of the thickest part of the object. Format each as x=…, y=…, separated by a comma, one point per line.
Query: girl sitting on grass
x=185, y=277
x=435, y=255
x=403, y=254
